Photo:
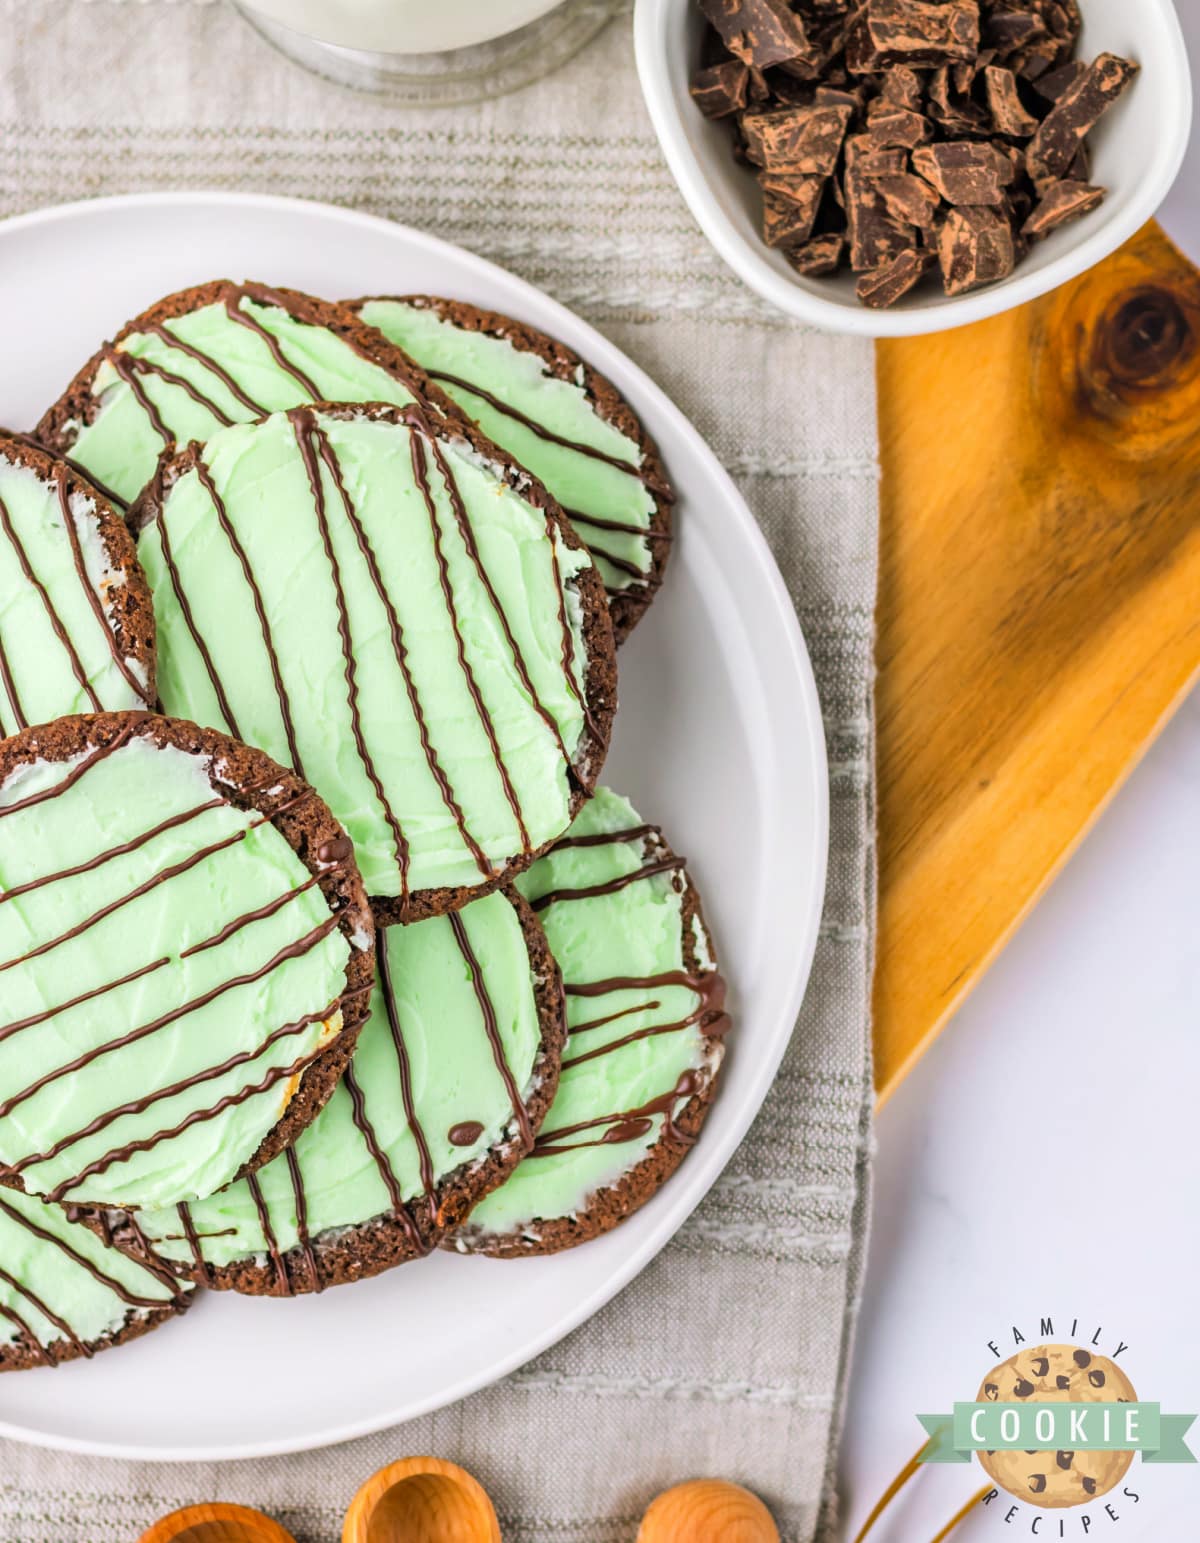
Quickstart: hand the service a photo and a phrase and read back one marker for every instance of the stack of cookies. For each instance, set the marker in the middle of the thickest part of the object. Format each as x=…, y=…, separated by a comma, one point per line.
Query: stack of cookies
x=323, y=946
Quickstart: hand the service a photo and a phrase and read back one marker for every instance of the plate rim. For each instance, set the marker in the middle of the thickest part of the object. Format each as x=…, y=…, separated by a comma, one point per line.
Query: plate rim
x=810, y=720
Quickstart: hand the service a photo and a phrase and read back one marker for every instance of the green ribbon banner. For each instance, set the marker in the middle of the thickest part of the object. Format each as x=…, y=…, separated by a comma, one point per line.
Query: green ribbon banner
x=1033, y=1427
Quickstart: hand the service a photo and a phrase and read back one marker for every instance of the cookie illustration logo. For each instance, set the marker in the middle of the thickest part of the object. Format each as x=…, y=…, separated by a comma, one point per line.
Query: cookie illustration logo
x=1055, y=1426
x=1056, y=1374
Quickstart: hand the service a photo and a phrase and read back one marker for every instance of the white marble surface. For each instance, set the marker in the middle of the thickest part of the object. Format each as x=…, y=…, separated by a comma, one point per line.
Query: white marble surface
x=1044, y=1156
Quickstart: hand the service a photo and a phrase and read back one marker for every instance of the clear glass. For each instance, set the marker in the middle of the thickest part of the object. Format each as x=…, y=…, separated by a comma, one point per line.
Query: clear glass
x=452, y=78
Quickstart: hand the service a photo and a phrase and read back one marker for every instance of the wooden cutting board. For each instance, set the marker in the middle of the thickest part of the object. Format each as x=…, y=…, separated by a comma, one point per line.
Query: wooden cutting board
x=1039, y=607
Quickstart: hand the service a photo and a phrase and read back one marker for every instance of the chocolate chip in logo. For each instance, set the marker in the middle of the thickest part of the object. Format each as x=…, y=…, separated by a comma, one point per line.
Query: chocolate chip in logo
x=1041, y=1366
x=1082, y=1358
x=1096, y=1378
x=991, y=1392
x=1062, y=1382
x=1022, y=1389
x=1089, y=1486
x=1064, y=1459
x=1037, y=1482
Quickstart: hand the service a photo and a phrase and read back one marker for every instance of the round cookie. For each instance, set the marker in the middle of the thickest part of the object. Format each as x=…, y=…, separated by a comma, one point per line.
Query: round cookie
x=454, y=1070
x=559, y=418
x=186, y=953
x=1056, y=1374
x=215, y=354
x=384, y=602
x=78, y=624
x=645, y=1020
x=64, y=1293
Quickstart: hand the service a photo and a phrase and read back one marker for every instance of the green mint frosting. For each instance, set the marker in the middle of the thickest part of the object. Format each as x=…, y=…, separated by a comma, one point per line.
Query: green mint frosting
x=437, y=1021
x=55, y=1266
x=40, y=672
x=633, y=932
x=66, y=996
x=520, y=379
x=420, y=790
x=121, y=446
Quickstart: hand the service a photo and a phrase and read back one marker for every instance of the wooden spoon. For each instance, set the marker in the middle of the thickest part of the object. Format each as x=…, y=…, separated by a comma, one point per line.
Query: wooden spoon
x=707, y=1511
x=217, y=1523
x=421, y=1500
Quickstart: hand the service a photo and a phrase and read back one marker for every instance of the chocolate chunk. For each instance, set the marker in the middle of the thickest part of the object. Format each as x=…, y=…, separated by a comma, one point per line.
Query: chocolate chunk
x=1007, y=31
x=1064, y=1459
x=1089, y=1484
x=1037, y=1482
x=840, y=96
x=1096, y=1377
x=1061, y=203
x=721, y=89
x=1055, y=82
x=991, y=1391
x=1004, y=101
x=908, y=198
x=1040, y=1366
x=758, y=88
x=790, y=208
x=918, y=32
x=1076, y=113
x=898, y=126
x=759, y=32
x=875, y=236
x=881, y=163
x=1022, y=1388
x=821, y=255
x=1082, y=1358
x=964, y=173
x=958, y=115
x=975, y=246
x=965, y=73
x=797, y=139
x=885, y=285
x=902, y=88
x=1062, y=1382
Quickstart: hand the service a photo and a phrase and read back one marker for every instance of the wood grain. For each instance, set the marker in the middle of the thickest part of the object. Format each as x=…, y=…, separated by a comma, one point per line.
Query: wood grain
x=421, y=1500
x=1039, y=609
x=217, y=1522
x=707, y=1511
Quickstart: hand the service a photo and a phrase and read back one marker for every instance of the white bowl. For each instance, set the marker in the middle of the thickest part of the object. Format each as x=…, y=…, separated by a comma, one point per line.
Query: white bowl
x=1137, y=149
x=401, y=26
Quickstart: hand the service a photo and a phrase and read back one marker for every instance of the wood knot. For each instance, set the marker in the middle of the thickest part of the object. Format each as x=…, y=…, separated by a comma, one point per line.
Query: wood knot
x=1141, y=341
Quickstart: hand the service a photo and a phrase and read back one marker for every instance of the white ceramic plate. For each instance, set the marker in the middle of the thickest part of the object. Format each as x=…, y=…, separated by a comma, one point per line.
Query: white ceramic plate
x=719, y=738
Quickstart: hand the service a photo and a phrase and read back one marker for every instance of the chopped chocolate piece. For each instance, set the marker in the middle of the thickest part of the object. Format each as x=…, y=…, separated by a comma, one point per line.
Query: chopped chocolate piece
x=908, y=198
x=712, y=49
x=898, y=126
x=965, y=74
x=875, y=236
x=789, y=90
x=790, y=208
x=881, y=163
x=921, y=31
x=1055, y=82
x=720, y=89
x=1075, y=114
x=1007, y=31
x=1080, y=169
x=885, y=285
x=975, y=246
x=902, y=88
x=759, y=91
x=1061, y=202
x=797, y=139
x=964, y=173
x=759, y=32
x=822, y=254
x=1004, y=99
x=840, y=96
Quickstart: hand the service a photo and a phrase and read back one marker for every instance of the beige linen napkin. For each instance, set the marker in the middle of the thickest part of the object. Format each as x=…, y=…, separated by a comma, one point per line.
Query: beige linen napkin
x=727, y=1356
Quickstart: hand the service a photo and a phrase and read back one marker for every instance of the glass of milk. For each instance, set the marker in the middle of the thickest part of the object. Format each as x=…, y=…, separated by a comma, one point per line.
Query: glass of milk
x=429, y=52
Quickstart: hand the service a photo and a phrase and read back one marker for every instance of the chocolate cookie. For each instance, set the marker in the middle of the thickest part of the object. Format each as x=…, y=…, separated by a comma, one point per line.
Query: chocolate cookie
x=65, y=1294
x=645, y=1020
x=382, y=600
x=78, y=624
x=559, y=418
x=216, y=354
x=186, y=956
x=1056, y=1374
x=454, y=1070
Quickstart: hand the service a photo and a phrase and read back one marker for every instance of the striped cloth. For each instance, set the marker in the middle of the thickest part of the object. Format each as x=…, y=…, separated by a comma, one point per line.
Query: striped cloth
x=565, y=184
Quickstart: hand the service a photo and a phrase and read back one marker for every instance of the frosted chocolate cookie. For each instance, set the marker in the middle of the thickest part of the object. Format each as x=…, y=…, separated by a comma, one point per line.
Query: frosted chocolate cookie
x=561, y=420
x=77, y=633
x=64, y=1293
x=645, y=1020
x=185, y=959
x=216, y=354
x=385, y=603
x=454, y=1070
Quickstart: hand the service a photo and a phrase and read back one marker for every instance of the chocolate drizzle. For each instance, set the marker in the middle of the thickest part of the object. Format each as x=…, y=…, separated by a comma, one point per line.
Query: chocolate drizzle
x=491, y=1028
x=428, y=1178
